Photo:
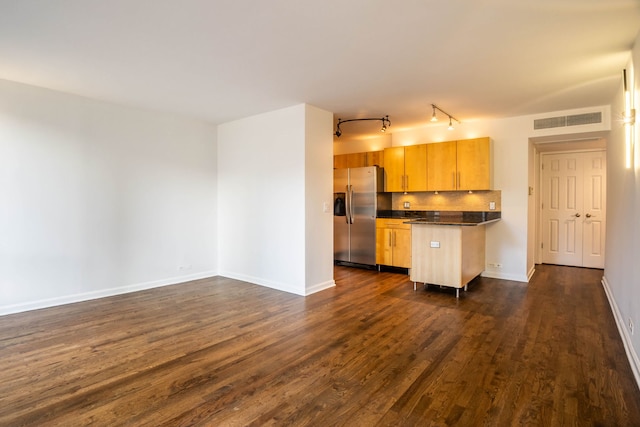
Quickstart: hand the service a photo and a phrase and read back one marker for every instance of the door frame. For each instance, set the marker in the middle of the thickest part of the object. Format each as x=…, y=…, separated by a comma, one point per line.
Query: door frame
x=559, y=146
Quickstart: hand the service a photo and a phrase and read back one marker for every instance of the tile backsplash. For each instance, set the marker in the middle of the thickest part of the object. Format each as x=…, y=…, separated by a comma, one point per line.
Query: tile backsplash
x=478, y=201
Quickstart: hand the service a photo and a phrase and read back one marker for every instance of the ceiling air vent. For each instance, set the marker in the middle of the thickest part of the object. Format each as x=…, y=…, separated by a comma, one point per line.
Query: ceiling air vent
x=551, y=122
x=573, y=120
x=584, y=119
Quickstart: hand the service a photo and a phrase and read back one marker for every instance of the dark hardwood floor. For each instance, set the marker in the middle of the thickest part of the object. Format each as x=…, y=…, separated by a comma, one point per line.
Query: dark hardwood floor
x=369, y=352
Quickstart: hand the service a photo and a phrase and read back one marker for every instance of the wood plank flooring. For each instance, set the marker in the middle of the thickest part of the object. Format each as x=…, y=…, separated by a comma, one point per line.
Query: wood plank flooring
x=369, y=352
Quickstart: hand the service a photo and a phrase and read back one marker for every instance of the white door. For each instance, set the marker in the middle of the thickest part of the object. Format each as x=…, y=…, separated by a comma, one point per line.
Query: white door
x=573, y=208
x=594, y=208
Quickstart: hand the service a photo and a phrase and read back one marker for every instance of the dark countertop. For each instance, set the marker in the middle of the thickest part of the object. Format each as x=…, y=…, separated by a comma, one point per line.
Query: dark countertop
x=443, y=217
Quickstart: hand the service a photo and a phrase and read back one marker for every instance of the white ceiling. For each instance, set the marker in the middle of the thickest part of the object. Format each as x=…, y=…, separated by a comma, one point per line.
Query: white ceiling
x=221, y=60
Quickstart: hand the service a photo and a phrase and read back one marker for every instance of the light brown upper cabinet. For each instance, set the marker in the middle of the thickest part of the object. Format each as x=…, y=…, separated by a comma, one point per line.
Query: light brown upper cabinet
x=405, y=168
x=375, y=158
x=441, y=166
x=474, y=164
x=358, y=160
x=340, y=161
x=459, y=165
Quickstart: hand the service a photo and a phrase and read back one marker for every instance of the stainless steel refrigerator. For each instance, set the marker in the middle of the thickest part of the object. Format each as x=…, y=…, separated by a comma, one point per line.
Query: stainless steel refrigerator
x=358, y=196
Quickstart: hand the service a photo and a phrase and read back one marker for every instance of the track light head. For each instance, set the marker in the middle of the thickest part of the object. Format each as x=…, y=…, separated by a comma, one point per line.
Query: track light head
x=435, y=119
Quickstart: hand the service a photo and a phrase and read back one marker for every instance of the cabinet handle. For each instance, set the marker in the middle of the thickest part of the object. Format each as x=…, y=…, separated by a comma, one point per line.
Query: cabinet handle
x=407, y=187
x=394, y=239
x=453, y=180
x=459, y=183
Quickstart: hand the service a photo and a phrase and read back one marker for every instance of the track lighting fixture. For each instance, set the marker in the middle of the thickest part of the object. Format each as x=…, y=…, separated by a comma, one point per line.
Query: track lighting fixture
x=385, y=124
x=435, y=119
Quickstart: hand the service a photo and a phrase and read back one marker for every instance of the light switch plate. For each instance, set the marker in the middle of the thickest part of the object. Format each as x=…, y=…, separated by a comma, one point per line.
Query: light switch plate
x=407, y=205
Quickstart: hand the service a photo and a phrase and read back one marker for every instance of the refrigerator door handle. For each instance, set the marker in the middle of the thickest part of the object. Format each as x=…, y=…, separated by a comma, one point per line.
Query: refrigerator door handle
x=351, y=204
x=347, y=204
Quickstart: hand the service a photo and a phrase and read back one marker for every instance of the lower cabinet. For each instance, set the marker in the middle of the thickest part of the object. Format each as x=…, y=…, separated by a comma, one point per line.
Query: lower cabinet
x=393, y=242
x=447, y=255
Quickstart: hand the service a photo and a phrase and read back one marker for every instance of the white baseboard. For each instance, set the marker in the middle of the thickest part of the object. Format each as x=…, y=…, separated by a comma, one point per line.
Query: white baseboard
x=530, y=274
x=102, y=293
x=320, y=287
x=505, y=276
x=624, y=334
x=262, y=282
x=279, y=286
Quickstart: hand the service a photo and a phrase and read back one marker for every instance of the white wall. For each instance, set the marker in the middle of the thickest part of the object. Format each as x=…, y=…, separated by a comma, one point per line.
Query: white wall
x=318, y=200
x=267, y=198
x=97, y=199
x=622, y=269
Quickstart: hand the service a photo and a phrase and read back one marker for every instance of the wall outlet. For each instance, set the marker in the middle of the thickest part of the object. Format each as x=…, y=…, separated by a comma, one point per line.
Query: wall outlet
x=407, y=205
x=631, y=326
x=325, y=207
x=492, y=206
x=494, y=264
x=435, y=244
x=184, y=267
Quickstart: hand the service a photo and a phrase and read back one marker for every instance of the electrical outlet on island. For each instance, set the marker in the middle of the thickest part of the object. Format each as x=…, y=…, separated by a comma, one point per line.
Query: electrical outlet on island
x=407, y=205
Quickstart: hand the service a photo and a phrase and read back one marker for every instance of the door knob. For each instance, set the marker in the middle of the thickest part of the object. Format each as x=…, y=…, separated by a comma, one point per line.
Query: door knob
x=577, y=215
x=588, y=215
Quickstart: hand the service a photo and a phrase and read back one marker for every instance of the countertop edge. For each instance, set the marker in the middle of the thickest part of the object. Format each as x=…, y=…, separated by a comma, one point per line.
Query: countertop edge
x=427, y=222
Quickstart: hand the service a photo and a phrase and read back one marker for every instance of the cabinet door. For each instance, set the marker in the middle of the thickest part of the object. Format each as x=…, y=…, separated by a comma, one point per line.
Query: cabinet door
x=356, y=160
x=394, y=169
x=474, y=163
x=384, y=254
x=415, y=167
x=441, y=166
x=340, y=161
x=402, y=248
x=375, y=158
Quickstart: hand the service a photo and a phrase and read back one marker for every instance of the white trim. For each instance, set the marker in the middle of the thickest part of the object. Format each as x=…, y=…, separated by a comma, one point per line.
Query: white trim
x=505, y=276
x=624, y=334
x=103, y=293
x=262, y=282
x=279, y=286
x=530, y=274
x=320, y=287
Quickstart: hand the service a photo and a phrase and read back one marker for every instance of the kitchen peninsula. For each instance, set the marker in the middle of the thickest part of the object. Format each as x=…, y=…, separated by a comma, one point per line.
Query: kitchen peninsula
x=448, y=248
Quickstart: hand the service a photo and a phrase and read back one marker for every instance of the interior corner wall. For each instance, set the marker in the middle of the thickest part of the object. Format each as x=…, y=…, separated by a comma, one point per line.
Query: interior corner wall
x=261, y=190
x=622, y=270
x=318, y=200
x=98, y=199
